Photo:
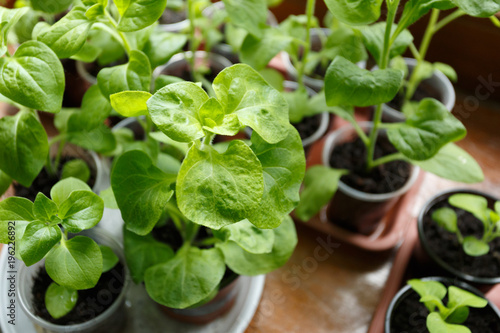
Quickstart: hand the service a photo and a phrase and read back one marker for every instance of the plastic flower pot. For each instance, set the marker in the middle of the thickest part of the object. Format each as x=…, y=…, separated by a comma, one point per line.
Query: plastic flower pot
x=398, y=314
x=167, y=22
x=351, y=208
x=111, y=320
x=438, y=86
x=317, y=35
x=448, y=262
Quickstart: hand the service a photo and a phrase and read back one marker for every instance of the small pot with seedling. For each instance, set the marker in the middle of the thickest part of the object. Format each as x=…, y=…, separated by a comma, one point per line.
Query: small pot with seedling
x=74, y=276
x=458, y=230
x=439, y=305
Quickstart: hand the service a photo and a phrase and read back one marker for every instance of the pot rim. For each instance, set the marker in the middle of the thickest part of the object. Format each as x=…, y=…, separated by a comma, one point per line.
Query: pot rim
x=82, y=71
x=423, y=240
x=407, y=288
x=95, y=322
x=369, y=197
x=174, y=27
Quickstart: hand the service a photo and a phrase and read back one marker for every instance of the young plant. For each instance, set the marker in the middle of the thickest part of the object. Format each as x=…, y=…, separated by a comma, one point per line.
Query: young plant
x=40, y=231
x=478, y=206
x=449, y=317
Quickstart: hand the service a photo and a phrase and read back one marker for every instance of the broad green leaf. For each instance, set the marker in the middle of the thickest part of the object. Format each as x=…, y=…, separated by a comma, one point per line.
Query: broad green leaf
x=168, y=164
x=8, y=19
x=284, y=166
x=76, y=263
x=109, y=258
x=433, y=291
x=161, y=46
x=14, y=212
x=23, y=147
x=111, y=49
x=109, y=198
x=51, y=7
x=246, y=263
x=33, y=77
x=174, y=109
x=143, y=252
x=415, y=9
x=243, y=91
x=60, y=300
x=345, y=42
x=37, y=241
x=446, y=70
x=472, y=203
x=94, y=111
x=216, y=189
x=347, y=84
x=355, y=12
x=134, y=75
x=250, y=15
x=139, y=14
x=454, y=163
x=99, y=139
x=130, y=103
x=258, y=52
x=273, y=77
x=160, y=137
x=427, y=131
x=88, y=53
x=44, y=208
x=61, y=191
x=320, y=185
x=25, y=25
x=141, y=190
x=475, y=247
x=446, y=218
x=67, y=36
x=95, y=11
x=478, y=8
x=373, y=37
x=460, y=297
x=82, y=210
x=297, y=104
x=249, y=237
x=76, y=168
x=5, y=182
x=458, y=316
x=436, y=324
x=187, y=278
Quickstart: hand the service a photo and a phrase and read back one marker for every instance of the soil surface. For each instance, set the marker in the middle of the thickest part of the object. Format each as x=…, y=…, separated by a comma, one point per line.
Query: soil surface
x=173, y=16
x=410, y=317
x=308, y=126
x=91, y=302
x=385, y=178
x=448, y=248
x=44, y=182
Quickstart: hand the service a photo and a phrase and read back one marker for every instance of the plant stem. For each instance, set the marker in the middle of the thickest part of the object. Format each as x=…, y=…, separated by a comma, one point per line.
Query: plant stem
x=310, y=6
x=207, y=140
x=123, y=38
x=453, y=16
x=387, y=159
x=360, y=132
x=207, y=241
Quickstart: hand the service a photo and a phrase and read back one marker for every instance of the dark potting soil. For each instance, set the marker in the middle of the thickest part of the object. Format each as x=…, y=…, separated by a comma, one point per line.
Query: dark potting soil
x=44, y=182
x=170, y=16
x=445, y=244
x=385, y=178
x=424, y=90
x=308, y=126
x=410, y=315
x=91, y=302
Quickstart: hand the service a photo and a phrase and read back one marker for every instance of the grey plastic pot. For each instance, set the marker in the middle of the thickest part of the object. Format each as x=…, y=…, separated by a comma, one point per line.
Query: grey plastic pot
x=435, y=259
x=407, y=290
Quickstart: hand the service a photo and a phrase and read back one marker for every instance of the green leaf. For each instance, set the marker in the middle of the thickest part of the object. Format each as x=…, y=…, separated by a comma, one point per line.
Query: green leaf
x=76, y=263
x=44, y=208
x=436, y=324
x=446, y=218
x=162, y=46
x=459, y=297
x=109, y=258
x=429, y=290
x=497, y=207
x=355, y=12
x=454, y=163
x=5, y=182
x=141, y=190
x=284, y=166
x=273, y=77
x=246, y=263
x=215, y=189
x=427, y=131
x=475, y=247
x=76, y=168
x=345, y=42
x=187, y=278
x=37, y=241
x=51, y=7
x=298, y=104
x=415, y=9
x=63, y=188
x=472, y=203
x=99, y=139
x=243, y=91
x=82, y=210
x=446, y=70
x=67, y=36
x=258, y=52
x=23, y=147
x=478, y=8
x=139, y=14
x=250, y=15
x=59, y=300
x=320, y=185
x=347, y=84
x=130, y=103
x=373, y=37
x=143, y=252
x=168, y=164
x=458, y=316
x=19, y=211
x=109, y=198
x=95, y=11
x=134, y=75
x=88, y=53
x=94, y=111
x=33, y=77
x=214, y=120
x=249, y=237
x=8, y=19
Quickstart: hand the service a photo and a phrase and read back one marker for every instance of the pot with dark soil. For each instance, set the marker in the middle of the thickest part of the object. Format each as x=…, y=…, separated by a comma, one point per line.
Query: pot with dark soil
x=175, y=17
x=364, y=198
x=100, y=309
x=461, y=308
x=457, y=231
